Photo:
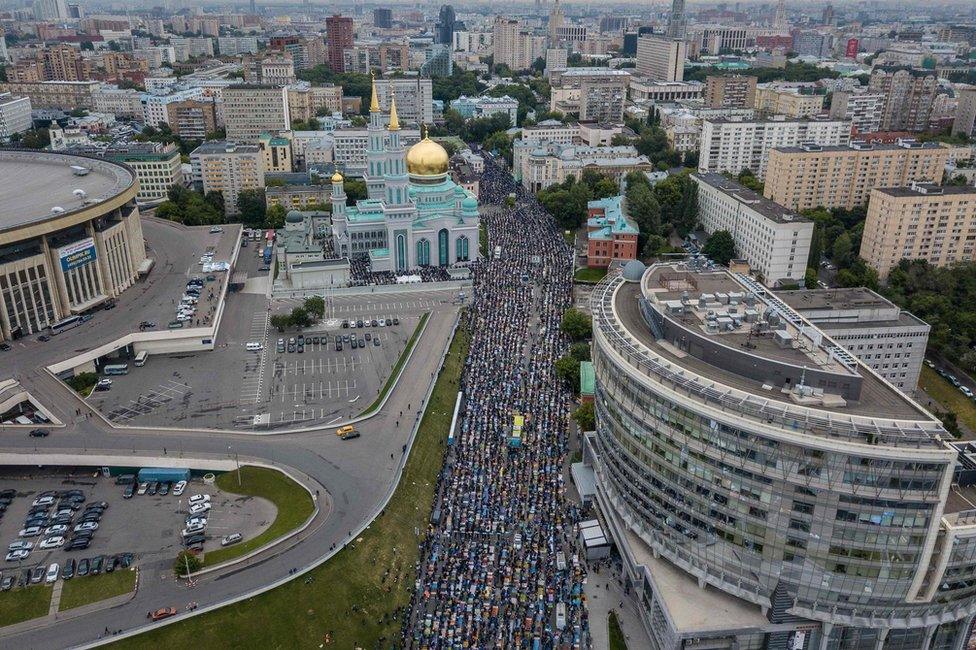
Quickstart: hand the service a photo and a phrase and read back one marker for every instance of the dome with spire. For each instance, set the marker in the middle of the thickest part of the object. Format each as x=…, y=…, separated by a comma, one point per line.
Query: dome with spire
x=337, y=177
x=427, y=158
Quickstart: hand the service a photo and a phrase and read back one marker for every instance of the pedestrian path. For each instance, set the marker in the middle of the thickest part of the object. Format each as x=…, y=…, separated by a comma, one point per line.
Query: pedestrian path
x=56, y=598
x=604, y=593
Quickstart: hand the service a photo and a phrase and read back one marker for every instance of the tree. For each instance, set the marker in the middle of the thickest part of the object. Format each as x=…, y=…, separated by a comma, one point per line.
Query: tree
x=748, y=179
x=720, y=247
x=644, y=209
x=186, y=560
x=539, y=65
x=251, y=207
x=576, y=324
x=810, y=278
x=355, y=191
x=315, y=306
x=580, y=351
x=280, y=322
x=500, y=142
x=216, y=199
x=842, y=251
x=299, y=317
x=585, y=417
x=567, y=369
x=274, y=217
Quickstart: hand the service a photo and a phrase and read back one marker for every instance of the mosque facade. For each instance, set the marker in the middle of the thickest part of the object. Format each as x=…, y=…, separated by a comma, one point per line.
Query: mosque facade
x=414, y=214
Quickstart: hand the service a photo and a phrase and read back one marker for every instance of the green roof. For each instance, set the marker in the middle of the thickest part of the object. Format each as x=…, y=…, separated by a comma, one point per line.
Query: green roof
x=587, y=378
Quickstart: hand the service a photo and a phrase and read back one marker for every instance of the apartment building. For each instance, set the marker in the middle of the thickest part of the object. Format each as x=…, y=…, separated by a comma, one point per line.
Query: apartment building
x=120, y=102
x=908, y=97
x=730, y=91
x=340, y=34
x=66, y=95
x=15, y=115
x=771, y=100
x=270, y=70
x=921, y=221
x=965, y=119
x=229, y=168
x=276, y=156
x=155, y=106
x=843, y=176
x=547, y=163
x=773, y=239
x=888, y=340
x=237, y=45
x=414, y=99
x=863, y=109
x=192, y=118
x=733, y=145
x=661, y=58
x=597, y=94
x=250, y=111
x=513, y=46
x=158, y=167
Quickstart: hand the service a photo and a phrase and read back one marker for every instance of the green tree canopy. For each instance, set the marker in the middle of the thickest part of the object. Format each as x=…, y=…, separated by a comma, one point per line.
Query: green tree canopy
x=720, y=247
x=585, y=417
x=576, y=324
x=251, y=207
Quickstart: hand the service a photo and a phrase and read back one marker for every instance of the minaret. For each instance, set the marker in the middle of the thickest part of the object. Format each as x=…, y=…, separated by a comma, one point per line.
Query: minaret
x=340, y=232
x=396, y=176
x=677, y=24
x=375, y=153
x=779, y=22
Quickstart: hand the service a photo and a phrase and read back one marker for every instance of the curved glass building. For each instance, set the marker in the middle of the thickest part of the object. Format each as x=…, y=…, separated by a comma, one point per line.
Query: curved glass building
x=765, y=488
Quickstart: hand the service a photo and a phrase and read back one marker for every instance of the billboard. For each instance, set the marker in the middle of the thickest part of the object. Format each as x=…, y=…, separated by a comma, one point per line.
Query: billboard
x=77, y=254
x=852, y=45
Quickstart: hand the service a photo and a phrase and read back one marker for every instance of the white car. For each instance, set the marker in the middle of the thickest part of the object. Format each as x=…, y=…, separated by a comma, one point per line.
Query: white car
x=193, y=529
x=198, y=498
x=196, y=520
x=43, y=501
x=13, y=556
x=88, y=525
x=20, y=545
x=52, y=542
x=57, y=529
x=52, y=573
x=233, y=538
x=179, y=487
x=104, y=382
x=198, y=508
x=30, y=531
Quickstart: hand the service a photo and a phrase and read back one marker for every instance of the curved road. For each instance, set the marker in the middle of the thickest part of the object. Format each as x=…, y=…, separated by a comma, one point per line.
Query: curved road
x=356, y=477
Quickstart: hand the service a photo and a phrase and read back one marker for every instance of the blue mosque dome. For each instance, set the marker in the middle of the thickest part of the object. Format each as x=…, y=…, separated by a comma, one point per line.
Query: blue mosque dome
x=469, y=203
x=294, y=216
x=634, y=271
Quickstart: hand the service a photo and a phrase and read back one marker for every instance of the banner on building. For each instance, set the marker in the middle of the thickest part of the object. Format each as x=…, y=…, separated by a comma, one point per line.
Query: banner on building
x=77, y=254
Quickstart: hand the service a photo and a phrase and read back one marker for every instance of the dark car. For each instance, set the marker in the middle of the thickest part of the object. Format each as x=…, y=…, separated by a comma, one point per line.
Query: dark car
x=164, y=489
x=78, y=545
x=63, y=494
x=373, y=322
x=97, y=504
x=152, y=488
x=125, y=559
x=109, y=304
x=43, y=338
x=96, y=565
x=128, y=491
x=367, y=336
x=25, y=577
x=40, y=433
x=110, y=564
x=7, y=584
x=376, y=342
x=351, y=435
x=359, y=323
x=37, y=574
x=338, y=347
x=396, y=321
x=83, y=534
x=4, y=347
x=83, y=567
x=68, y=571
x=199, y=538
x=8, y=493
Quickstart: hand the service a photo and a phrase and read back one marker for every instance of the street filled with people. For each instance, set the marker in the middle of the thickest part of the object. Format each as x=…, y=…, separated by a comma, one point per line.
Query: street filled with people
x=361, y=275
x=499, y=567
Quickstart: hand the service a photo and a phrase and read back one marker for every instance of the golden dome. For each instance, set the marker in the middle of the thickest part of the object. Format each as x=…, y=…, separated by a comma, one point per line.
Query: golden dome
x=427, y=158
x=337, y=177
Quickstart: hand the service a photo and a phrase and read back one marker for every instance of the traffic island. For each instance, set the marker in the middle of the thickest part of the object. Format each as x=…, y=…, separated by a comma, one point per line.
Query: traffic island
x=85, y=590
x=24, y=603
x=397, y=368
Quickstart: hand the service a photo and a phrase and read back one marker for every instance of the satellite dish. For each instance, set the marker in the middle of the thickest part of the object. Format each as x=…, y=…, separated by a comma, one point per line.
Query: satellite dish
x=80, y=194
x=57, y=209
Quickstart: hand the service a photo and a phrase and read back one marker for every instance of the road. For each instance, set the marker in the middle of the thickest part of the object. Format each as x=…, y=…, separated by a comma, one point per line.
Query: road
x=356, y=477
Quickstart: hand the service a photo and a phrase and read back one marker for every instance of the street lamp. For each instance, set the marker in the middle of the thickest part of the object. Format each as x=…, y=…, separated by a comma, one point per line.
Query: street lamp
x=238, y=461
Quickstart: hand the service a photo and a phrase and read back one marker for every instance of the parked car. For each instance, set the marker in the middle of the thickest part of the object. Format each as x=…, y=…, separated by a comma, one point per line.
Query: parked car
x=128, y=491
x=196, y=538
x=20, y=545
x=193, y=529
x=233, y=538
x=198, y=508
x=39, y=433
x=68, y=572
x=53, y=572
x=78, y=544
x=142, y=488
x=43, y=501
x=56, y=529
x=83, y=567
x=179, y=487
x=56, y=541
x=37, y=574
x=88, y=525
x=15, y=556
x=7, y=583
x=198, y=498
x=164, y=488
x=30, y=531
x=96, y=565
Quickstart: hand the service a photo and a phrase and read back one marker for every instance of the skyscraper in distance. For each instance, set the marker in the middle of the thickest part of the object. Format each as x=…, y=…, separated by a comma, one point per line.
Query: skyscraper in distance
x=339, y=31
x=677, y=23
x=445, y=25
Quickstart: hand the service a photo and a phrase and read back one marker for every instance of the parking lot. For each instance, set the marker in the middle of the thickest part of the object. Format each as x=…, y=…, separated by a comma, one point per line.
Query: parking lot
x=147, y=527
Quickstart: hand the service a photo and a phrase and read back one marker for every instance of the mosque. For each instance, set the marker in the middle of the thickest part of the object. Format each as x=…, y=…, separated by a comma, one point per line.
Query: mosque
x=414, y=214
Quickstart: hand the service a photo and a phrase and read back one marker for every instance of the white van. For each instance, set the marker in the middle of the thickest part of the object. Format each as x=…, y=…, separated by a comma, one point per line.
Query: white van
x=141, y=359
x=52, y=573
x=254, y=346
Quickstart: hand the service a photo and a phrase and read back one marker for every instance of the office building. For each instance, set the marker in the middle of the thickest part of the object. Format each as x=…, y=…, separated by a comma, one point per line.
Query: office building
x=446, y=25
x=921, y=221
x=659, y=92
x=66, y=95
x=843, y=176
x=50, y=10
x=250, y=111
x=64, y=251
x=382, y=18
x=864, y=110
x=15, y=115
x=154, y=105
x=414, y=99
x=557, y=58
x=909, y=95
x=228, y=168
x=660, y=58
x=269, y=70
x=192, y=118
x=715, y=39
x=677, y=23
x=276, y=155
x=120, y=102
x=773, y=100
x=773, y=239
x=964, y=122
x=237, y=45
x=733, y=145
x=875, y=330
x=157, y=166
x=546, y=163
x=611, y=235
x=394, y=56
x=339, y=36
x=730, y=91
x=759, y=481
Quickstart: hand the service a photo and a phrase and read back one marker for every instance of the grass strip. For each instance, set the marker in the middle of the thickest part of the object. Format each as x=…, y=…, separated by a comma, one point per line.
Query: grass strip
x=90, y=589
x=391, y=380
x=617, y=641
x=948, y=396
x=352, y=599
x=590, y=275
x=292, y=502
x=24, y=603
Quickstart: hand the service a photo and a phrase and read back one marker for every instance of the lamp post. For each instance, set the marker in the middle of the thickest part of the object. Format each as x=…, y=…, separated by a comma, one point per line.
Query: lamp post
x=237, y=460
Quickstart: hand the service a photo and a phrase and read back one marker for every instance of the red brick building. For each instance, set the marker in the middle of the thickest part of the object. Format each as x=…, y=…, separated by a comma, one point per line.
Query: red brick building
x=611, y=235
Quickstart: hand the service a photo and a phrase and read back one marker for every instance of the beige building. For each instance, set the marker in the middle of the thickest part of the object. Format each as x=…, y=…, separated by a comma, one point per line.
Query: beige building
x=922, y=221
x=514, y=47
x=788, y=102
x=661, y=58
x=965, y=119
x=250, y=111
x=275, y=153
x=730, y=91
x=306, y=101
x=192, y=118
x=229, y=168
x=67, y=95
x=809, y=176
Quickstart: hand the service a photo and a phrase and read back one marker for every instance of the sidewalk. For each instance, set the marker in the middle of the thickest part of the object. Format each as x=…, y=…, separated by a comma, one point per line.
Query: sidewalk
x=600, y=600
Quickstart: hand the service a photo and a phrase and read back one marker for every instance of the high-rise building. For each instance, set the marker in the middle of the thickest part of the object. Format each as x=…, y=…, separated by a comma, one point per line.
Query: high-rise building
x=921, y=221
x=964, y=122
x=514, y=47
x=597, y=94
x=382, y=18
x=733, y=145
x=808, y=176
x=53, y=10
x=780, y=21
x=773, y=239
x=192, y=119
x=909, y=94
x=250, y=111
x=762, y=486
x=677, y=23
x=862, y=109
x=446, y=25
x=661, y=58
x=774, y=100
x=414, y=99
x=340, y=35
x=227, y=168
x=730, y=91
x=556, y=21
x=15, y=115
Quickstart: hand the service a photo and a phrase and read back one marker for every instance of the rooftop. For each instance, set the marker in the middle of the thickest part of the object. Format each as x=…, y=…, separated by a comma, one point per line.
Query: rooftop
x=32, y=183
x=927, y=189
x=856, y=145
x=222, y=146
x=754, y=201
x=849, y=298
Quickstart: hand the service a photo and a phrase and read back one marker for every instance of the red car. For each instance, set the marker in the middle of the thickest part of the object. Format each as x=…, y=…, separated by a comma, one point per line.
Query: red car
x=160, y=614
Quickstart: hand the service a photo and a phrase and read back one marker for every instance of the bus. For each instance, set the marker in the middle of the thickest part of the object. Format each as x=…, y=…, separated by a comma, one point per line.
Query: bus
x=66, y=324
x=141, y=359
x=560, y=615
x=116, y=369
